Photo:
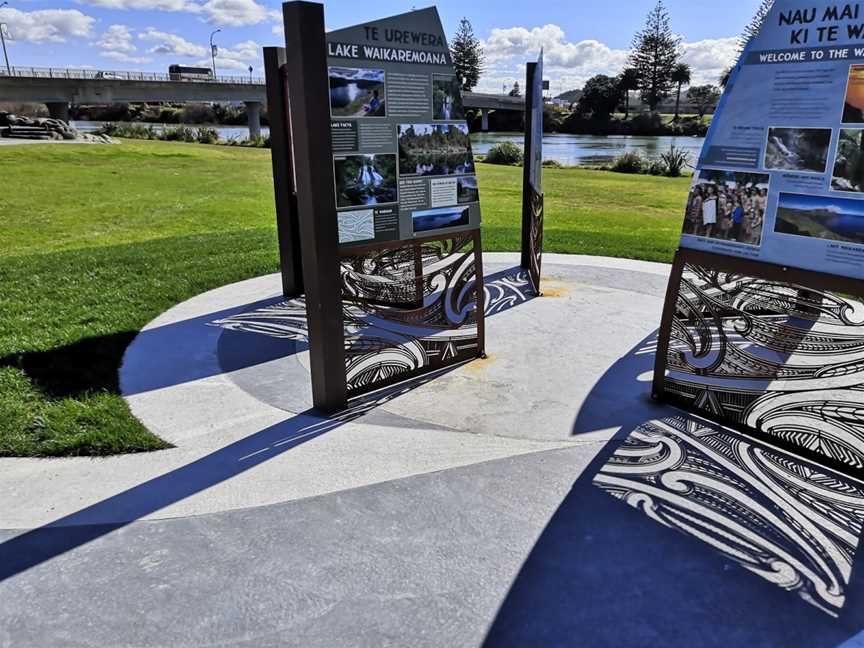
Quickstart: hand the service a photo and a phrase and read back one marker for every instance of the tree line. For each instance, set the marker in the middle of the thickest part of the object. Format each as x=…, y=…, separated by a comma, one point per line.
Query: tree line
x=655, y=69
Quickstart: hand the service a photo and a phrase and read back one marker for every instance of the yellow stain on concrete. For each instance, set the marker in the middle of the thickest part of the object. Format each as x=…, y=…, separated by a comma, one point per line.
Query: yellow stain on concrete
x=552, y=288
x=480, y=364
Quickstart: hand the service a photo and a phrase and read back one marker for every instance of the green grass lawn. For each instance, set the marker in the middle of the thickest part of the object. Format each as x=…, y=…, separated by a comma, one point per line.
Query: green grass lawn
x=95, y=241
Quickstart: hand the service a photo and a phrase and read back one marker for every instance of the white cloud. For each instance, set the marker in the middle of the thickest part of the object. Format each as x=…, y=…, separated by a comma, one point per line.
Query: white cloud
x=709, y=58
x=235, y=13
x=238, y=57
x=569, y=64
x=126, y=58
x=117, y=43
x=46, y=25
x=145, y=5
x=171, y=44
x=117, y=38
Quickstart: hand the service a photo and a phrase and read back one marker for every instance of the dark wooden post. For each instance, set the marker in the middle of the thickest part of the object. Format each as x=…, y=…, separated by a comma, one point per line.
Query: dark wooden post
x=309, y=101
x=665, y=333
x=287, y=227
x=531, y=71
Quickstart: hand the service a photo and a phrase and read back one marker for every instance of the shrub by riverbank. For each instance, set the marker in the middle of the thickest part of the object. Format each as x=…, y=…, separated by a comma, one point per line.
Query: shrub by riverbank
x=188, y=134
x=118, y=234
x=671, y=164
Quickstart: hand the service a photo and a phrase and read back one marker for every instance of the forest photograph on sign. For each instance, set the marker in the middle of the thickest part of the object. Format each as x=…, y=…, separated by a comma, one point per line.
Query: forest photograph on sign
x=434, y=149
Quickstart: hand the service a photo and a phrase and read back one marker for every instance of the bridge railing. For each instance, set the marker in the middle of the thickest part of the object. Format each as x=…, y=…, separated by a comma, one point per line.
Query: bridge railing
x=110, y=75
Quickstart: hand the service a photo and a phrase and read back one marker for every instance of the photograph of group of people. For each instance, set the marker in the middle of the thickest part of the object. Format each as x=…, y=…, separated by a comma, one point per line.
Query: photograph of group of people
x=727, y=205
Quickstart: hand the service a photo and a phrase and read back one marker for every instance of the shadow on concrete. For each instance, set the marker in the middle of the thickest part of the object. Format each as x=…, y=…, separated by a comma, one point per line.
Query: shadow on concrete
x=280, y=329
x=506, y=289
x=161, y=354
x=621, y=398
x=36, y=546
x=709, y=552
x=604, y=574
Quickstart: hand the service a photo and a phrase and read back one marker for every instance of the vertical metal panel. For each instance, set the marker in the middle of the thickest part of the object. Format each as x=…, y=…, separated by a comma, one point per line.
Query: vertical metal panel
x=309, y=93
x=287, y=226
x=769, y=351
x=531, y=70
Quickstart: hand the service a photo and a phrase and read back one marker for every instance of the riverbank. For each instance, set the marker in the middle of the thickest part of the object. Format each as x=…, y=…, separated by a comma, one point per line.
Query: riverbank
x=567, y=150
x=118, y=234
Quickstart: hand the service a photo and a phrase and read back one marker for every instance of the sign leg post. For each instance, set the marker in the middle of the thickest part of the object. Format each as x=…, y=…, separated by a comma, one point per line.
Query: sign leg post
x=283, y=173
x=665, y=332
x=526, y=166
x=316, y=200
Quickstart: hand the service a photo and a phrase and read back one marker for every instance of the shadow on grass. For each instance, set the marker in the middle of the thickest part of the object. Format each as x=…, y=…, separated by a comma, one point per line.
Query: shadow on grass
x=71, y=371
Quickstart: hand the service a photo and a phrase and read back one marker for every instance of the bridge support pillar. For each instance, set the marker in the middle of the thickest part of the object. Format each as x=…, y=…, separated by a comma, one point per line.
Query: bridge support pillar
x=253, y=114
x=58, y=110
x=484, y=120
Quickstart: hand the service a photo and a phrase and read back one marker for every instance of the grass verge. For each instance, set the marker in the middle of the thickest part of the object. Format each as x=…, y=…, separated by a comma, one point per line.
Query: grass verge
x=95, y=241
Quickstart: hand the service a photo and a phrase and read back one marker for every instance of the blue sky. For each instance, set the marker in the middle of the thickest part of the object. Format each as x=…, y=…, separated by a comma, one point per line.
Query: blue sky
x=581, y=38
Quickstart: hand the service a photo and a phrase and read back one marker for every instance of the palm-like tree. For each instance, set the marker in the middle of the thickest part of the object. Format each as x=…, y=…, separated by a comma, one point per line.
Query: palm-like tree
x=629, y=80
x=680, y=76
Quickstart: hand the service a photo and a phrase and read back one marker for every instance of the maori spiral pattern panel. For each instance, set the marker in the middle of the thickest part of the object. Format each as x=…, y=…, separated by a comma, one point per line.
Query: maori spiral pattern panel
x=535, y=238
x=410, y=309
x=779, y=358
x=787, y=520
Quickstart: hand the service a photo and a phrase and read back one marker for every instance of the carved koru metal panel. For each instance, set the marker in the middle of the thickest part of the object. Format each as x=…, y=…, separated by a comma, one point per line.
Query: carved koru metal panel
x=410, y=309
x=535, y=238
x=782, y=359
x=785, y=519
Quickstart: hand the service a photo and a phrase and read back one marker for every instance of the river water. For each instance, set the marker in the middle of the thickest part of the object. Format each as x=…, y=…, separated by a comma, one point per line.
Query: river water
x=593, y=150
x=570, y=150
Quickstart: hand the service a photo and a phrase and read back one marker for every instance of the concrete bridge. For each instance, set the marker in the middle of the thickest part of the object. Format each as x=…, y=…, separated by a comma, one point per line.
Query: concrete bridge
x=59, y=87
x=486, y=103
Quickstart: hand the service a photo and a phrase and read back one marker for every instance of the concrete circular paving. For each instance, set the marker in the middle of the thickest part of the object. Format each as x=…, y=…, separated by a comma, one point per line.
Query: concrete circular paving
x=462, y=510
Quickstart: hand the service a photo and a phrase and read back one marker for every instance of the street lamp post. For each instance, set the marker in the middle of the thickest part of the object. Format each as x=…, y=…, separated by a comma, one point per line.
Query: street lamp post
x=3, y=41
x=213, y=52
x=250, y=74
